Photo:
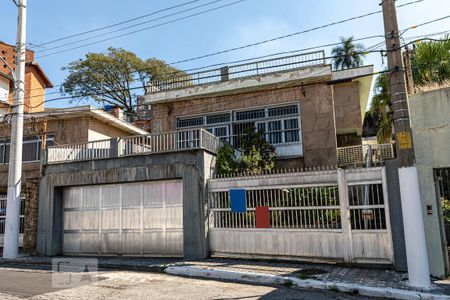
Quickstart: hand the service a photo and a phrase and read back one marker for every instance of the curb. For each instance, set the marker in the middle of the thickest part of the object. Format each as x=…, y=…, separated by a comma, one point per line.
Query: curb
x=266, y=279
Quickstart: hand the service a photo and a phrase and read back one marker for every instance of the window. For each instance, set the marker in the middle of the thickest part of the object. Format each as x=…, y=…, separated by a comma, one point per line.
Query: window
x=31, y=148
x=190, y=122
x=291, y=133
x=281, y=126
x=274, y=132
x=250, y=114
x=215, y=119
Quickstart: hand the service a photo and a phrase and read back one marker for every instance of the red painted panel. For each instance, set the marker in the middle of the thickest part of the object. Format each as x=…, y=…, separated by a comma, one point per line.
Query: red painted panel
x=262, y=217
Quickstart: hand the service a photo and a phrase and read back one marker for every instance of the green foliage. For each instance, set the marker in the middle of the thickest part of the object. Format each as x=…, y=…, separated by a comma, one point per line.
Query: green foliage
x=113, y=74
x=381, y=109
x=349, y=54
x=445, y=204
x=431, y=63
x=226, y=160
x=257, y=155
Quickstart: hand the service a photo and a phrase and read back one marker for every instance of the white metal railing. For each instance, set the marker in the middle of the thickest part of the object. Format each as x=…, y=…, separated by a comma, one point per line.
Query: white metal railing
x=80, y=151
x=239, y=71
x=135, y=145
x=364, y=154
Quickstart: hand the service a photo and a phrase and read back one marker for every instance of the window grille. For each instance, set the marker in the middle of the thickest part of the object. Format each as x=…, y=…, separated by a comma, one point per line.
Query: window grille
x=250, y=114
x=215, y=119
x=283, y=111
x=190, y=122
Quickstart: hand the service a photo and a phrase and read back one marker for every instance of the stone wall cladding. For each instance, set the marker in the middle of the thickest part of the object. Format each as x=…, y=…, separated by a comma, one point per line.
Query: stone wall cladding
x=31, y=215
x=316, y=107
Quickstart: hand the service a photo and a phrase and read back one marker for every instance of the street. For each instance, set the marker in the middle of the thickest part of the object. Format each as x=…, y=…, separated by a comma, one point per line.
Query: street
x=37, y=284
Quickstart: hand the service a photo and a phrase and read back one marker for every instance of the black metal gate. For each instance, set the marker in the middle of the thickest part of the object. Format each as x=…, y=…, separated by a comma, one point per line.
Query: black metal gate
x=442, y=179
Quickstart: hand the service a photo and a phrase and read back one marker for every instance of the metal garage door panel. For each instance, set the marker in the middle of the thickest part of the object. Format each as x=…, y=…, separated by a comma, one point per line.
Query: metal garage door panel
x=154, y=242
x=153, y=218
x=131, y=218
x=90, y=243
x=71, y=243
x=131, y=195
x=91, y=197
x=173, y=193
x=72, y=197
x=110, y=219
x=173, y=217
x=111, y=196
x=174, y=242
x=110, y=243
x=153, y=194
x=90, y=220
x=72, y=220
x=131, y=243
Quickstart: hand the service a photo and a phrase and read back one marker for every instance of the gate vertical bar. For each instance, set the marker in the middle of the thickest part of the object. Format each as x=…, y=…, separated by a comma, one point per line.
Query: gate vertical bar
x=387, y=214
x=345, y=216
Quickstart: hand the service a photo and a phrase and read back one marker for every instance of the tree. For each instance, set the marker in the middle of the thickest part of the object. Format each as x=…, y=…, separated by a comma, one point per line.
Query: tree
x=380, y=108
x=256, y=155
x=431, y=63
x=348, y=55
x=113, y=75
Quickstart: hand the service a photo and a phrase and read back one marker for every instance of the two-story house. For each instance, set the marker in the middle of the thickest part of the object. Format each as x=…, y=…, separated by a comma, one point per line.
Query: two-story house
x=36, y=81
x=306, y=109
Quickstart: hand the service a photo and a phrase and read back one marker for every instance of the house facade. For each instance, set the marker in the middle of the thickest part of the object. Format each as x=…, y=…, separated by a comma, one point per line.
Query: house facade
x=36, y=81
x=305, y=109
x=55, y=126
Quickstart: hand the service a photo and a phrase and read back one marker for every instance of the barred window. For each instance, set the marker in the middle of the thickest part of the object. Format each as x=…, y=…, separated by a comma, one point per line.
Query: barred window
x=190, y=122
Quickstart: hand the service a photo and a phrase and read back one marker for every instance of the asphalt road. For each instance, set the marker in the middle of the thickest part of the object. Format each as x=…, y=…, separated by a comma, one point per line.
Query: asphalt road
x=23, y=283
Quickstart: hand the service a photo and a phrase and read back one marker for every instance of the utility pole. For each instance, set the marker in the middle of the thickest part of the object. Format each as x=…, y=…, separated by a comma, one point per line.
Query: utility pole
x=416, y=250
x=11, y=238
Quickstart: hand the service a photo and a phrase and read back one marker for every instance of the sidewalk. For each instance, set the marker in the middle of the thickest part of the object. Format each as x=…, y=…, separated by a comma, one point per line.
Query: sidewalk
x=302, y=275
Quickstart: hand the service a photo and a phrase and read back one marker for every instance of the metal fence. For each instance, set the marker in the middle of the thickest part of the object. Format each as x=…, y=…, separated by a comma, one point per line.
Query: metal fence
x=365, y=154
x=323, y=214
x=239, y=71
x=3, y=200
x=135, y=145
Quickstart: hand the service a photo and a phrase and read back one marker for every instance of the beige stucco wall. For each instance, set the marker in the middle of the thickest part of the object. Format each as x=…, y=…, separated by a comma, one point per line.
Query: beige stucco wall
x=316, y=108
x=347, y=108
x=99, y=130
x=430, y=117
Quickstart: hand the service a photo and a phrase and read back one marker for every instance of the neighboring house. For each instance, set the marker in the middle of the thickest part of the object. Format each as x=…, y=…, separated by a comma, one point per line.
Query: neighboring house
x=306, y=109
x=59, y=126
x=36, y=81
x=430, y=120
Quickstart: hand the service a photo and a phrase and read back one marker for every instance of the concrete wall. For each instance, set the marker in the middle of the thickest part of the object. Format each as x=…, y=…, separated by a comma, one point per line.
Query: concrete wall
x=430, y=117
x=347, y=108
x=193, y=167
x=99, y=130
x=316, y=108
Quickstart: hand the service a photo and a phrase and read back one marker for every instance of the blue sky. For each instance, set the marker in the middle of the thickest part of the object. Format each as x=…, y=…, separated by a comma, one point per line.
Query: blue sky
x=236, y=25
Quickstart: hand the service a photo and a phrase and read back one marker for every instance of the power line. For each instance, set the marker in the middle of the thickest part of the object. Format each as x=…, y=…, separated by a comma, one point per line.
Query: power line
x=288, y=35
x=128, y=27
x=118, y=24
x=370, y=48
x=143, y=29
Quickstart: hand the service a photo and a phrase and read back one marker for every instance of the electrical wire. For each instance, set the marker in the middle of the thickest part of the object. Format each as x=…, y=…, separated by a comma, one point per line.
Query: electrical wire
x=128, y=27
x=143, y=29
x=118, y=24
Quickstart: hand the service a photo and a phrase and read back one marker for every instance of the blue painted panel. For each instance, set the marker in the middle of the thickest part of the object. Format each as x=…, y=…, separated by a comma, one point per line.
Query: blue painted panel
x=238, y=198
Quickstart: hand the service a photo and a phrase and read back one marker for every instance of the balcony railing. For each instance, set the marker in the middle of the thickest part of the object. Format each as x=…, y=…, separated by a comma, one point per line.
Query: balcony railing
x=135, y=145
x=365, y=154
x=287, y=63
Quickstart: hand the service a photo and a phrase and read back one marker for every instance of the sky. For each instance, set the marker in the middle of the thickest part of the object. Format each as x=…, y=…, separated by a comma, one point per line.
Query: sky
x=228, y=27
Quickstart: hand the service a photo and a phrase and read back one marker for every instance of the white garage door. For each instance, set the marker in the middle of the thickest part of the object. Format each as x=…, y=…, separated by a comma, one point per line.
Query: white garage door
x=124, y=219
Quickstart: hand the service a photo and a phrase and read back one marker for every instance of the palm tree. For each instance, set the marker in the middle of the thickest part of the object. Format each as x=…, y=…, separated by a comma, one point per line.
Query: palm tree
x=348, y=55
x=431, y=63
